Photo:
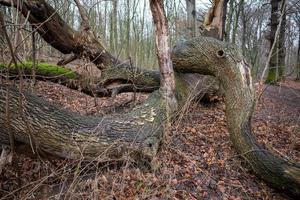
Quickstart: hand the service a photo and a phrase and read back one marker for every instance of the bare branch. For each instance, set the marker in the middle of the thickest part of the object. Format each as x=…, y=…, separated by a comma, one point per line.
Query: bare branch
x=85, y=20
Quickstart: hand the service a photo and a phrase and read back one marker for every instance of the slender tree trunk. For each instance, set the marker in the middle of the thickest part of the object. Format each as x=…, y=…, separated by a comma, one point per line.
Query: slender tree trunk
x=114, y=28
x=229, y=20
x=281, y=43
x=191, y=17
x=244, y=28
x=275, y=15
x=236, y=21
x=128, y=27
x=163, y=53
x=298, y=56
x=33, y=58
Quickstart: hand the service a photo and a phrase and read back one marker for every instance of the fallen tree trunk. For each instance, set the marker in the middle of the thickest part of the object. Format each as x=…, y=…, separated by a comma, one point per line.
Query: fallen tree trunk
x=48, y=128
x=55, y=31
x=113, y=81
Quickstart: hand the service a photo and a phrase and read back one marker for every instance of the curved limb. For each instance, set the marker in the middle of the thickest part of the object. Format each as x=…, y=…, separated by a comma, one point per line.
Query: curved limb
x=225, y=62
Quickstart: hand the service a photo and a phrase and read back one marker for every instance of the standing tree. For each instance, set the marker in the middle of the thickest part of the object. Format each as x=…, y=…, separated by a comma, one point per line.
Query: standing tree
x=229, y=20
x=276, y=39
x=191, y=17
x=297, y=21
x=167, y=80
x=281, y=43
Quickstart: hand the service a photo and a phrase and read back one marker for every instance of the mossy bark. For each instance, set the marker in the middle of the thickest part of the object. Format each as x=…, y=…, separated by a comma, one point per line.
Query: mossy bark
x=277, y=61
x=113, y=80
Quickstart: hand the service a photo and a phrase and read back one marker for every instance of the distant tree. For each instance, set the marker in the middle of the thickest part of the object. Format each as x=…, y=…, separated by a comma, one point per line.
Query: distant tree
x=191, y=17
x=297, y=19
x=276, y=39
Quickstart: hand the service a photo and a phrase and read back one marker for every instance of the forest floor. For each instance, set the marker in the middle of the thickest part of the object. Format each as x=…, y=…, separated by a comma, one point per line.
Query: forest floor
x=196, y=161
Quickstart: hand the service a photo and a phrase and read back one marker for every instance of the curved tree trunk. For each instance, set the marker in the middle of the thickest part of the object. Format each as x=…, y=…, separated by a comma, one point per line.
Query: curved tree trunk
x=209, y=56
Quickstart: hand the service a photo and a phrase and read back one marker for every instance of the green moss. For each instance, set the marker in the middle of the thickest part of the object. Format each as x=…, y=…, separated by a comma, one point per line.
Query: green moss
x=45, y=69
x=271, y=78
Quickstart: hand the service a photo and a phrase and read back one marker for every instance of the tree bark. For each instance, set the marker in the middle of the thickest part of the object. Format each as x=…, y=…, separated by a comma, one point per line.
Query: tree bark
x=167, y=83
x=244, y=31
x=69, y=135
x=229, y=20
x=114, y=80
x=236, y=20
x=298, y=55
x=273, y=64
x=191, y=17
x=281, y=43
x=229, y=66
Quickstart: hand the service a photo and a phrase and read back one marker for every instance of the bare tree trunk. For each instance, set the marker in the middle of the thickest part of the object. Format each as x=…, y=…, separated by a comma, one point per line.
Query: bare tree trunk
x=281, y=43
x=298, y=56
x=69, y=135
x=229, y=20
x=33, y=58
x=191, y=17
x=167, y=82
x=275, y=15
x=236, y=20
x=115, y=25
x=244, y=22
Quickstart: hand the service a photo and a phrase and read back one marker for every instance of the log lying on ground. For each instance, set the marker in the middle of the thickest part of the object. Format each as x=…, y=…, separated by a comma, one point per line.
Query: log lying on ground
x=55, y=31
x=212, y=57
x=48, y=128
x=52, y=73
x=113, y=81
